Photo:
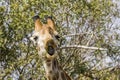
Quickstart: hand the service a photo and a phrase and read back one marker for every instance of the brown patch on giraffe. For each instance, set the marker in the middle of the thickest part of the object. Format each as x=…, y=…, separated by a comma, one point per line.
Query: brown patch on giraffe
x=48, y=60
x=50, y=72
x=49, y=64
x=55, y=64
x=49, y=78
x=54, y=78
x=63, y=76
x=57, y=75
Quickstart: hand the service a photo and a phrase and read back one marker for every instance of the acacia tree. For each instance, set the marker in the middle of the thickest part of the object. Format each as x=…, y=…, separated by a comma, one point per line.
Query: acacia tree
x=89, y=37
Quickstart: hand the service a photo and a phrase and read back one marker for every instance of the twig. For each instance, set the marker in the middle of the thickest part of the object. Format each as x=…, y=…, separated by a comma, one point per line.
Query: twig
x=80, y=46
x=90, y=39
x=76, y=34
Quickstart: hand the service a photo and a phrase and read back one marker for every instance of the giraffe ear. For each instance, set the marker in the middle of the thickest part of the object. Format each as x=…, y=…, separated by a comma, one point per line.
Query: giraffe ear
x=50, y=22
x=38, y=23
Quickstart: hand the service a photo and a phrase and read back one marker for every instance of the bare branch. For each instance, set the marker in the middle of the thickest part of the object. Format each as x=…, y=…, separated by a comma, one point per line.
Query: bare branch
x=90, y=39
x=80, y=46
x=76, y=34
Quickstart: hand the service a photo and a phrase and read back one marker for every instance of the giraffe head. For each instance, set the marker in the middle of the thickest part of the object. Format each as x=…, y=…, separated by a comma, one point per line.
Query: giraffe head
x=44, y=37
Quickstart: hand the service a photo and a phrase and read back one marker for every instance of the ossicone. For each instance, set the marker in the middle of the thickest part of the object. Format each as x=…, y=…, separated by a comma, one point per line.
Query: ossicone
x=35, y=18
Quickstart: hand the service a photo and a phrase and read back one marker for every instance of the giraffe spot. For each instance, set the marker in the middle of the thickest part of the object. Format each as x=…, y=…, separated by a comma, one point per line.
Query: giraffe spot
x=48, y=64
x=54, y=64
x=48, y=78
x=54, y=78
x=57, y=75
x=63, y=75
x=50, y=72
x=48, y=60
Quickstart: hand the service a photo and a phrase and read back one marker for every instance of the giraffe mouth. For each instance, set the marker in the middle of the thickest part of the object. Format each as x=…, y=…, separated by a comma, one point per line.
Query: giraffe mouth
x=50, y=50
x=50, y=47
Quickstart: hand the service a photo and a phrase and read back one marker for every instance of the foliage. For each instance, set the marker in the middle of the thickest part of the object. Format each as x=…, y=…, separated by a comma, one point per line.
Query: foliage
x=79, y=22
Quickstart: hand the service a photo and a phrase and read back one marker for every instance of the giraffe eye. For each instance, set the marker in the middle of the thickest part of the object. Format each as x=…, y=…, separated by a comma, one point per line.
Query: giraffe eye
x=57, y=37
x=36, y=38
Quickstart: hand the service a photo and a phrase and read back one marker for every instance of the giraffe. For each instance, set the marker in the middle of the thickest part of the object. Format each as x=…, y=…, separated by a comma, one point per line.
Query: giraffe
x=45, y=37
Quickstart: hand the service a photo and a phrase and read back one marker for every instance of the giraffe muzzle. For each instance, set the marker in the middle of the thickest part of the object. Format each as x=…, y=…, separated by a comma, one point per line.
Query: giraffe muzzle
x=50, y=50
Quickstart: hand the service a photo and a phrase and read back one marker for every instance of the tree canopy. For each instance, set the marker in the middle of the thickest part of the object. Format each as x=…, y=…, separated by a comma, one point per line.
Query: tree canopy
x=90, y=38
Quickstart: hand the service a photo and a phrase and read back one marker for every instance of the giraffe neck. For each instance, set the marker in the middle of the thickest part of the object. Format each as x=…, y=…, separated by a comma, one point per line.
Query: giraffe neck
x=54, y=71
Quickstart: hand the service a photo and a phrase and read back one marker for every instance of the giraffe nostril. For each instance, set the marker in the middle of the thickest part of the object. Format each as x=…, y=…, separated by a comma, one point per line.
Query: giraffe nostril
x=50, y=50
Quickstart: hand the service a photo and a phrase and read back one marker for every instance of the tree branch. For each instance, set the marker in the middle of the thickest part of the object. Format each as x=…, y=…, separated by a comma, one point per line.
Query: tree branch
x=80, y=46
x=76, y=34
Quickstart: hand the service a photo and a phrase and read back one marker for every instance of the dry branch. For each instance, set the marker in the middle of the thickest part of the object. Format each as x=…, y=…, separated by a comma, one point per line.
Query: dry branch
x=80, y=46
